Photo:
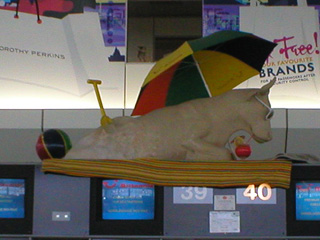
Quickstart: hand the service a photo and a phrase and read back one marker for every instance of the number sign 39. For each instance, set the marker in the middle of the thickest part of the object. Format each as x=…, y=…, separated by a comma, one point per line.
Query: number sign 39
x=190, y=195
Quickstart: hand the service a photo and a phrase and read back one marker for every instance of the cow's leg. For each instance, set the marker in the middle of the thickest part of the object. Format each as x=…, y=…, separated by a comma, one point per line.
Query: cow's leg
x=198, y=149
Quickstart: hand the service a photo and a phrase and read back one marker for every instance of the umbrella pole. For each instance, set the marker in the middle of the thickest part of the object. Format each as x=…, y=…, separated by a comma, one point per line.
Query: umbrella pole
x=202, y=77
x=104, y=119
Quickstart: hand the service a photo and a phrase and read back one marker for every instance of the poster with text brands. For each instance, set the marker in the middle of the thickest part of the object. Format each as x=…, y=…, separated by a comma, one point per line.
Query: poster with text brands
x=295, y=60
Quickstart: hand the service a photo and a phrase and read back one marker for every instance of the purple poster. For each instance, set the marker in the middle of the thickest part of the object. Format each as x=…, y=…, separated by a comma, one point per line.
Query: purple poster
x=220, y=17
x=113, y=23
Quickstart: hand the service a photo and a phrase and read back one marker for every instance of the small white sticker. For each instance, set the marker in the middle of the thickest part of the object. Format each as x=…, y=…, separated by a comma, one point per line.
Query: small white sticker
x=224, y=202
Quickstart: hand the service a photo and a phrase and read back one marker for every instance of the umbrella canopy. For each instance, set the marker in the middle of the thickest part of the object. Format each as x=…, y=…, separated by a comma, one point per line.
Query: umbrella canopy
x=204, y=67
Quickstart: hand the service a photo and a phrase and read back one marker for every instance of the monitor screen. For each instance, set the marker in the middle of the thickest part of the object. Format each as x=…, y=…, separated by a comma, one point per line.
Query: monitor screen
x=12, y=198
x=303, y=201
x=124, y=207
x=16, y=198
x=124, y=200
x=308, y=201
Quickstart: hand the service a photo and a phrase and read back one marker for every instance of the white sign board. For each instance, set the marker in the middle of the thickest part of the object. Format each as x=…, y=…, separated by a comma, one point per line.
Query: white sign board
x=295, y=60
x=53, y=60
x=224, y=222
x=224, y=202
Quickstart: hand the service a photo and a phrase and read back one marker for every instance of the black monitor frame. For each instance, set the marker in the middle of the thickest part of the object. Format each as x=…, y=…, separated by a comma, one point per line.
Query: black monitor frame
x=308, y=173
x=19, y=225
x=99, y=226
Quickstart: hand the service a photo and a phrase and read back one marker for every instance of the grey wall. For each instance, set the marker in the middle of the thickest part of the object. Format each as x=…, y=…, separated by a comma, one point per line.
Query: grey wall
x=255, y=219
x=304, y=131
x=58, y=193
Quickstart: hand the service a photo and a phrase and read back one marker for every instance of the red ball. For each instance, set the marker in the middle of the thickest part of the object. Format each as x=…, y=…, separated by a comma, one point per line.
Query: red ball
x=243, y=151
x=53, y=143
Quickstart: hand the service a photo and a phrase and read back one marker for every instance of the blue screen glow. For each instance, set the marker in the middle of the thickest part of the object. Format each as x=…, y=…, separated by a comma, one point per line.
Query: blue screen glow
x=308, y=201
x=127, y=200
x=12, y=194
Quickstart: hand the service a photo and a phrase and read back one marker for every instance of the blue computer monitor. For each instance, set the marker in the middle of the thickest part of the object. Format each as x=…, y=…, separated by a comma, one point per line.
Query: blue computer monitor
x=16, y=199
x=12, y=197
x=127, y=200
x=303, y=201
x=123, y=207
x=307, y=200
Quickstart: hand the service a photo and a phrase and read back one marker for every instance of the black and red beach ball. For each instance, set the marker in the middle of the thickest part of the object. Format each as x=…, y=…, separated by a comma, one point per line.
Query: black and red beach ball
x=53, y=143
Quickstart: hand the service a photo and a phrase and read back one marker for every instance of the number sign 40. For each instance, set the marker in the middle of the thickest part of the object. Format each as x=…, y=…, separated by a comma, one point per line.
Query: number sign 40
x=263, y=191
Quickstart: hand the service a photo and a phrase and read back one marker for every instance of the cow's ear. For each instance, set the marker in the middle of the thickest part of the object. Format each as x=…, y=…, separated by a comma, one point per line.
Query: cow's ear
x=264, y=90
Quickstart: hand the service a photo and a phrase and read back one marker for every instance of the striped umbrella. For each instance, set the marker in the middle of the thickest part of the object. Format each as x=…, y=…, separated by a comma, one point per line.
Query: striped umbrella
x=204, y=67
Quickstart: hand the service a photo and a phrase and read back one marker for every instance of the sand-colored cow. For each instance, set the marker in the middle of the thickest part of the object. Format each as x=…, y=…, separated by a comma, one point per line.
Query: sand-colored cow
x=194, y=130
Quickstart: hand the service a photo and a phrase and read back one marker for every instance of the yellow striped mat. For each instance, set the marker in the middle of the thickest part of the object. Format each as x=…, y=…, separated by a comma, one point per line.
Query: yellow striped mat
x=277, y=173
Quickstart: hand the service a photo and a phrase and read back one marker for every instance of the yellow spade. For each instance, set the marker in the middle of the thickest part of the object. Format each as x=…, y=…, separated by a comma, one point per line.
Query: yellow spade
x=104, y=119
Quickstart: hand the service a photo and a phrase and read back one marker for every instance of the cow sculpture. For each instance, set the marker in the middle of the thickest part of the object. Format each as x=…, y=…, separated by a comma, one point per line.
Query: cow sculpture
x=194, y=130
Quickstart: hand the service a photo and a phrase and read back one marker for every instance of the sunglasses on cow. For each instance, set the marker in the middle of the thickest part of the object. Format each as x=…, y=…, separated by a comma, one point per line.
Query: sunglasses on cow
x=270, y=113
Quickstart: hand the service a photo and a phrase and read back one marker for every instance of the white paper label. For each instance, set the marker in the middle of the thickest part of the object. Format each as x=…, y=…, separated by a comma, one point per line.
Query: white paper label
x=224, y=222
x=224, y=202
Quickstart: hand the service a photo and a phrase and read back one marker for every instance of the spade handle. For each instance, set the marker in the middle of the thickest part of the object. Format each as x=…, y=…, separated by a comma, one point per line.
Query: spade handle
x=104, y=119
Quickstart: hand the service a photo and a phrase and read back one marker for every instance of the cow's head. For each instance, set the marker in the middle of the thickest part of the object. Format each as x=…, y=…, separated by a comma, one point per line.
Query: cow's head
x=257, y=112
